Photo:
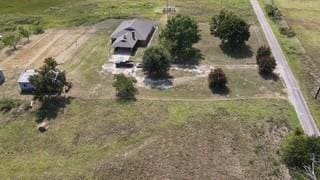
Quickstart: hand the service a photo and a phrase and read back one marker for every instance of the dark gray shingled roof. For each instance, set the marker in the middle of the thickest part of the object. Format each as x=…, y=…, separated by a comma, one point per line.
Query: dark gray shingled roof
x=130, y=31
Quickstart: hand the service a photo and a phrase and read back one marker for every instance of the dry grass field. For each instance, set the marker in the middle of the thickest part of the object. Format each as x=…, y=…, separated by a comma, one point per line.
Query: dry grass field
x=105, y=139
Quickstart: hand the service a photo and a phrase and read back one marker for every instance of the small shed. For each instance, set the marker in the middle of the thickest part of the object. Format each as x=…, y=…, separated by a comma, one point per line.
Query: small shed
x=2, y=78
x=24, y=82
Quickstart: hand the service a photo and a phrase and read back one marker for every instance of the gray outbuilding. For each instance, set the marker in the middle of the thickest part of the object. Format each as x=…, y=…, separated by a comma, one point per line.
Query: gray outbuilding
x=24, y=82
x=132, y=34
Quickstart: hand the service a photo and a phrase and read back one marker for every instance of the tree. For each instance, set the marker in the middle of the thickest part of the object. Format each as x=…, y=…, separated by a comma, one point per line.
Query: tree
x=24, y=33
x=231, y=29
x=156, y=62
x=267, y=64
x=217, y=79
x=302, y=152
x=125, y=87
x=265, y=61
x=49, y=81
x=11, y=40
x=179, y=36
x=263, y=51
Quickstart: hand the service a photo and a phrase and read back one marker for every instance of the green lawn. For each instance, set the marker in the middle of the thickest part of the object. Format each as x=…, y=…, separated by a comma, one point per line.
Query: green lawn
x=87, y=136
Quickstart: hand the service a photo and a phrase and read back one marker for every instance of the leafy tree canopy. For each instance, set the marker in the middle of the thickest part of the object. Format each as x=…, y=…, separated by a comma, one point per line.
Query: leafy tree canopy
x=298, y=149
x=24, y=32
x=49, y=81
x=217, y=79
x=156, y=62
x=125, y=87
x=179, y=36
x=265, y=61
x=231, y=29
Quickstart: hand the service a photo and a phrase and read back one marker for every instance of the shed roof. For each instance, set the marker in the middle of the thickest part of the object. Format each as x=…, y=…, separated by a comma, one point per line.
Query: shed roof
x=24, y=77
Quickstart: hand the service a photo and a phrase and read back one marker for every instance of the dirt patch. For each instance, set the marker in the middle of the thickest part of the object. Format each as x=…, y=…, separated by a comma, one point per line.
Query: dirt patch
x=60, y=44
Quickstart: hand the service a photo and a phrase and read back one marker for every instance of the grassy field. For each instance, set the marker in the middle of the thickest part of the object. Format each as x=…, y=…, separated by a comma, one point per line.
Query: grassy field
x=53, y=13
x=185, y=132
x=146, y=139
x=302, y=51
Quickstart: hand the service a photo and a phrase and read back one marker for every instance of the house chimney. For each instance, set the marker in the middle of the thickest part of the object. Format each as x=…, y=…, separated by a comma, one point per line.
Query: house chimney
x=133, y=35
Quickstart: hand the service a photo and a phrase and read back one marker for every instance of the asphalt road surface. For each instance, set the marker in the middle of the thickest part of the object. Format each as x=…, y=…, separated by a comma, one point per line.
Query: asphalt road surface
x=294, y=92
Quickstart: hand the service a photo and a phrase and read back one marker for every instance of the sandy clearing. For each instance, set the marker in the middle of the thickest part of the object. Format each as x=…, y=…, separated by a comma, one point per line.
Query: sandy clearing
x=60, y=44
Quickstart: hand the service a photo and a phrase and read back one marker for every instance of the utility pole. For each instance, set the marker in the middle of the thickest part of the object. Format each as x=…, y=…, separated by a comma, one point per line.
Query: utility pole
x=167, y=10
x=317, y=94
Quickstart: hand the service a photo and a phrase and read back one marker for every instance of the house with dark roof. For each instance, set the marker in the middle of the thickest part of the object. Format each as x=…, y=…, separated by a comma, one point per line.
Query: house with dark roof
x=132, y=34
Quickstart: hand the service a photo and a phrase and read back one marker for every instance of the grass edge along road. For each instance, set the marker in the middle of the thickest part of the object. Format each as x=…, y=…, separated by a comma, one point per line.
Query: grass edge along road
x=294, y=92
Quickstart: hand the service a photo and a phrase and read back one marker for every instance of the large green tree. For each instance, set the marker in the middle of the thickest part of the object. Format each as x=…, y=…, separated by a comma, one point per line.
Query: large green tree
x=125, y=87
x=49, y=81
x=302, y=152
x=179, y=36
x=230, y=28
x=156, y=62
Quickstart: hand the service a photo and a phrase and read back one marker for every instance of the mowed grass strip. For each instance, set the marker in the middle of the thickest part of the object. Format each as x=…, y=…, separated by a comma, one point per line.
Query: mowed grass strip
x=89, y=135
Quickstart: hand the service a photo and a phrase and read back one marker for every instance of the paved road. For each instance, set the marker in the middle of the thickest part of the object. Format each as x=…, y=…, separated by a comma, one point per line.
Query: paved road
x=294, y=92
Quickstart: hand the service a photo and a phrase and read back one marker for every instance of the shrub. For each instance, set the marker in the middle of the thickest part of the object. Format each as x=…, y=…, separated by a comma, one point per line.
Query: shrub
x=263, y=51
x=156, y=62
x=267, y=64
x=217, y=79
x=24, y=32
x=265, y=61
x=38, y=30
x=287, y=31
x=273, y=11
x=11, y=40
x=6, y=105
x=125, y=87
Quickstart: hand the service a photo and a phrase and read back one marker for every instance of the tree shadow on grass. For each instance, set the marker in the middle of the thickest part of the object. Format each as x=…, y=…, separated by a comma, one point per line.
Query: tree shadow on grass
x=49, y=110
x=271, y=76
x=241, y=52
x=223, y=91
x=162, y=84
x=193, y=57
